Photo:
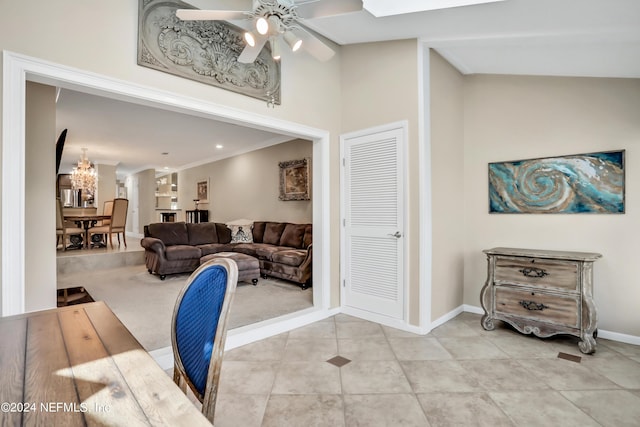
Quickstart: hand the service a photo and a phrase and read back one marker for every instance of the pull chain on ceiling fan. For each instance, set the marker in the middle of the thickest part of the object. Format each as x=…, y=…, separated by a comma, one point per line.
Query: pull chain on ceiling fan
x=273, y=20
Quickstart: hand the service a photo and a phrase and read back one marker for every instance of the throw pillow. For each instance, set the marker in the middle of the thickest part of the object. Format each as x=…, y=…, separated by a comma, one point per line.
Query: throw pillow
x=241, y=233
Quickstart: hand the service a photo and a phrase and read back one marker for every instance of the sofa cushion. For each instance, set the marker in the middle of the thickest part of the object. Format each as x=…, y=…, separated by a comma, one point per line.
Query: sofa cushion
x=293, y=257
x=273, y=232
x=308, y=236
x=224, y=233
x=171, y=233
x=258, y=231
x=214, y=248
x=265, y=251
x=181, y=252
x=202, y=233
x=247, y=248
x=292, y=235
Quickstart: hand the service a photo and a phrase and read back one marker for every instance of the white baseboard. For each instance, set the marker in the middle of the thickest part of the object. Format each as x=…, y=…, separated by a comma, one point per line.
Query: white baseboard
x=384, y=320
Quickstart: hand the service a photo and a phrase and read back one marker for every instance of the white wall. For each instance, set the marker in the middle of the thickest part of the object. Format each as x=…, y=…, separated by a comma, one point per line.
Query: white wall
x=247, y=186
x=106, y=186
x=511, y=118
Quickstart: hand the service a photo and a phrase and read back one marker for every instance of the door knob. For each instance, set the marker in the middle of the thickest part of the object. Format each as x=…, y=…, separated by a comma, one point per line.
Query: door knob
x=397, y=235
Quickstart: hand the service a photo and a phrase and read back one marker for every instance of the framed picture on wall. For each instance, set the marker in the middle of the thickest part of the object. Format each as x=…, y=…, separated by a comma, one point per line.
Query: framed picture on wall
x=294, y=180
x=202, y=190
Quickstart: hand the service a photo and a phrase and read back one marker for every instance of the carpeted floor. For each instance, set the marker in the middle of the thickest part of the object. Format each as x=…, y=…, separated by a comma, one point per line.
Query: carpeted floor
x=144, y=303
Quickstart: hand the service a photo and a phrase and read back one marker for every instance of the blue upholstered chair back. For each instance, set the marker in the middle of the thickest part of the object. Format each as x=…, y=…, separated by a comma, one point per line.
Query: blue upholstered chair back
x=199, y=325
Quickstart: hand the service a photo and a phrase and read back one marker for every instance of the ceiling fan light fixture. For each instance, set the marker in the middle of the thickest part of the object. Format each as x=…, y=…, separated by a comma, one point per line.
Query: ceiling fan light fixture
x=293, y=41
x=262, y=25
x=275, y=49
x=250, y=38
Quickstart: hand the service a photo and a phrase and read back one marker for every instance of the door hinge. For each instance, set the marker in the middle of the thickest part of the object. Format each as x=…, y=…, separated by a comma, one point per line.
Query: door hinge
x=344, y=222
x=344, y=283
x=344, y=162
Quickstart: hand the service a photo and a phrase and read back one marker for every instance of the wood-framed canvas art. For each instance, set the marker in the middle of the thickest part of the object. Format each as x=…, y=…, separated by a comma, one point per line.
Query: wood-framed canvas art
x=579, y=183
x=202, y=190
x=294, y=180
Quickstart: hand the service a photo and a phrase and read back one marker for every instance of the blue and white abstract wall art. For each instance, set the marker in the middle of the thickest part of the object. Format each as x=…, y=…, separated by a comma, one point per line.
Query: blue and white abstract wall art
x=580, y=183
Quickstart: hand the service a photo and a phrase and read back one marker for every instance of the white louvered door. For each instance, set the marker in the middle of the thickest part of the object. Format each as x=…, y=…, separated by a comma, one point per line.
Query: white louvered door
x=373, y=223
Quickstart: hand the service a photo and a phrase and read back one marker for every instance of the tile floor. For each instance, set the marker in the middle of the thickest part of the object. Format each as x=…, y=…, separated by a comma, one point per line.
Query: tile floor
x=458, y=375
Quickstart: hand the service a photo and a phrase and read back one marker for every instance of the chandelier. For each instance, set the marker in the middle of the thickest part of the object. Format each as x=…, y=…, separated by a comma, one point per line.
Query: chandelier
x=84, y=177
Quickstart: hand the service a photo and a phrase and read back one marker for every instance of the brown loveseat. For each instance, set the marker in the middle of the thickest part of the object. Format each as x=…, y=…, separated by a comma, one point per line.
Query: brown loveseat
x=284, y=250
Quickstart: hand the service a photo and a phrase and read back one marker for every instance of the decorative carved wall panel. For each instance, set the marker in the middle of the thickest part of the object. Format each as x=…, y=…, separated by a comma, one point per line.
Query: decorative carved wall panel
x=205, y=51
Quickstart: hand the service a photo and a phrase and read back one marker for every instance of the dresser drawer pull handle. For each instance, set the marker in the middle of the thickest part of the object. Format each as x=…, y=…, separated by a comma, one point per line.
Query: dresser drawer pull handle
x=533, y=272
x=532, y=305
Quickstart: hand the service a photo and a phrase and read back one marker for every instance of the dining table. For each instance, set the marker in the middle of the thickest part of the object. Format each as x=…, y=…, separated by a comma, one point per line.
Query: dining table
x=79, y=365
x=86, y=222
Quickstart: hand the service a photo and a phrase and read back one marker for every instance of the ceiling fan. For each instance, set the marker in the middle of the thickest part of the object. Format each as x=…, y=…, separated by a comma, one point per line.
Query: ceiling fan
x=274, y=21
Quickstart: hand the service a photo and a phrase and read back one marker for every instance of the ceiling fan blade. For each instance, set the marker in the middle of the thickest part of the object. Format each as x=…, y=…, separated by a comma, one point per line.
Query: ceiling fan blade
x=221, y=4
x=322, y=8
x=209, y=15
x=250, y=53
x=313, y=45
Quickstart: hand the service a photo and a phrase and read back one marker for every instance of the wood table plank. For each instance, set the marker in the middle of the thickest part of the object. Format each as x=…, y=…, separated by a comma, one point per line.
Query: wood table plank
x=12, y=352
x=155, y=391
x=99, y=382
x=47, y=383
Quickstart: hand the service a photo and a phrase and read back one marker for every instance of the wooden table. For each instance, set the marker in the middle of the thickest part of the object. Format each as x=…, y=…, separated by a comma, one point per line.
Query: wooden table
x=79, y=365
x=86, y=222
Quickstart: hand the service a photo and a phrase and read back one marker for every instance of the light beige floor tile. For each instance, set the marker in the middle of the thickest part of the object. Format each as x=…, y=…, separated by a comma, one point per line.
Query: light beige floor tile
x=629, y=350
x=503, y=375
x=307, y=378
x=320, y=349
x=617, y=408
x=621, y=370
x=375, y=377
x=455, y=328
x=523, y=346
x=247, y=377
x=383, y=410
x=462, y=409
x=268, y=349
x=304, y=411
x=365, y=349
x=390, y=332
x=423, y=348
x=472, y=348
x=535, y=409
x=346, y=318
x=562, y=374
x=322, y=329
x=245, y=410
x=428, y=376
x=359, y=330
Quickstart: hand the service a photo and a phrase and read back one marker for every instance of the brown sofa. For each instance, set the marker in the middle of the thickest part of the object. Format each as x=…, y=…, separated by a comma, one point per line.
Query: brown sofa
x=284, y=250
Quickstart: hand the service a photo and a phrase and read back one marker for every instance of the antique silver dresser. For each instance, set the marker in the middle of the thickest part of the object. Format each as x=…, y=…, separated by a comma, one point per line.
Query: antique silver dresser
x=541, y=292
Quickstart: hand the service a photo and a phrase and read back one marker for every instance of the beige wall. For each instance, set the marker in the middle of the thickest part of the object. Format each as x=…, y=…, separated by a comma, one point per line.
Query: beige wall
x=380, y=86
x=106, y=185
x=511, y=118
x=247, y=186
x=447, y=185
x=40, y=195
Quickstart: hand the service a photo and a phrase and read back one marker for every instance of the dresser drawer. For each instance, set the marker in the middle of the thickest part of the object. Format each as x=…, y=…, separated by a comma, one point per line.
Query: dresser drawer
x=540, y=273
x=539, y=306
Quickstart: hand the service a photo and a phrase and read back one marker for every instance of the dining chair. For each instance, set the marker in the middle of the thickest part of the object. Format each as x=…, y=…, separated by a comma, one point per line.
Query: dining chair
x=117, y=224
x=107, y=209
x=199, y=330
x=63, y=230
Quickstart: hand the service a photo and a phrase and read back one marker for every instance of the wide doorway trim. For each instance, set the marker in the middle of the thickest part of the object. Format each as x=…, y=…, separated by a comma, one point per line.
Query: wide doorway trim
x=18, y=69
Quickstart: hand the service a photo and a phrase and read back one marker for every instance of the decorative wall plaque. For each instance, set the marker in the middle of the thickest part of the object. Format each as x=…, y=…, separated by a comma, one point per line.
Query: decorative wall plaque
x=205, y=51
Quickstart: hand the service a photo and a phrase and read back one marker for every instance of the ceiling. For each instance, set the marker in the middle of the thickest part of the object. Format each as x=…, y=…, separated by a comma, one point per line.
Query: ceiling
x=591, y=38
